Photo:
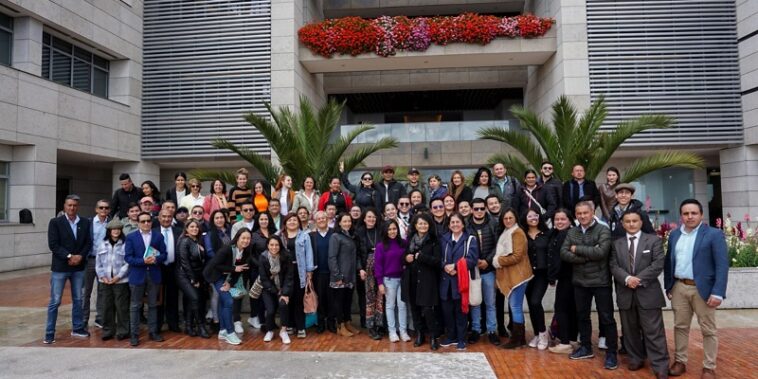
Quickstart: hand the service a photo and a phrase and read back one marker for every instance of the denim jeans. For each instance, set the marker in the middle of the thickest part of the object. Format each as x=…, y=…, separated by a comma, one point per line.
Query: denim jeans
x=392, y=295
x=488, y=299
x=57, y=282
x=516, y=302
x=225, y=303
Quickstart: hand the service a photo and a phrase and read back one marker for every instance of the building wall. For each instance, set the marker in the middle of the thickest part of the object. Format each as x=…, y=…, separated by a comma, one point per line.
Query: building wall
x=739, y=165
x=41, y=121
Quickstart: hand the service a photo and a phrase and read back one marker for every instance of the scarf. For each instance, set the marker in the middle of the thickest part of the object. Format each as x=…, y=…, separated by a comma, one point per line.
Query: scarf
x=504, y=245
x=463, y=283
x=417, y=242
x=275, y=268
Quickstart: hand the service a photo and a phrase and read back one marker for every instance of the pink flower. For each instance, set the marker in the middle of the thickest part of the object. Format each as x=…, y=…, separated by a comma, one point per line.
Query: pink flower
x=746, y=217
x=718, y=223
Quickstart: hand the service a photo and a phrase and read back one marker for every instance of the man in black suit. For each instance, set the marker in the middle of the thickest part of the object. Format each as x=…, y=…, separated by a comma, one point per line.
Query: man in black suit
x=70, y=240
x=168, y=311
x=636, y=263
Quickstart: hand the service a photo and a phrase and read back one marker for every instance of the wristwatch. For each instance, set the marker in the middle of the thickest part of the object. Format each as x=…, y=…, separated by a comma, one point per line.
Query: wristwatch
x=68, y=256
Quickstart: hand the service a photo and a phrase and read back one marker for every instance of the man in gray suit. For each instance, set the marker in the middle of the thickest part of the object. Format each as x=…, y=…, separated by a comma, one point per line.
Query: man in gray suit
x=636, y=263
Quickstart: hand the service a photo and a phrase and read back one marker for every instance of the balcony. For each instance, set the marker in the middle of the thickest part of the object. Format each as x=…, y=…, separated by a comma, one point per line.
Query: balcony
x=425, y=131
x=500, y=52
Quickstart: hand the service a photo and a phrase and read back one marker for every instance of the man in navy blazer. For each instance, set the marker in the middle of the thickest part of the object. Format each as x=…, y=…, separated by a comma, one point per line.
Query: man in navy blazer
x=144, y=274
x=69, y=239
x=695, y=276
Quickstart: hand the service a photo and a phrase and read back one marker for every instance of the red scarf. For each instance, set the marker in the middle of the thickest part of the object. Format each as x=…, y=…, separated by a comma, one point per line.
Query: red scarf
x=463, y=282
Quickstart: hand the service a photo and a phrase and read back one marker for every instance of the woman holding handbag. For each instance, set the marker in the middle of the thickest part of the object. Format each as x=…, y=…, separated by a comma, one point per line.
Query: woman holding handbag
x=459, y=252
x=297, y=243
x=223, y=271
x=276, y=278
x=513, y=273
x=388, y=270
x=533, y=196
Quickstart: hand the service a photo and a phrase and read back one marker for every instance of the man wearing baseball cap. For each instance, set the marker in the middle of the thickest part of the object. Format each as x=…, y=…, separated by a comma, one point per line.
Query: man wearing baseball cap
x=389, y=189
x=625, y=202
x=414, y=183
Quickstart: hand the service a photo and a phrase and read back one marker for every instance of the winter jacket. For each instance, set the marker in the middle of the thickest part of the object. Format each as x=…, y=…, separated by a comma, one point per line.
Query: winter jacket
x=451, y=253
x=420, y=283
x=543, y=196
x=486, y=235
x=617, y=227
x=190, y=260
x=286, y=279
x=110, y=263
x=590, y=261
x=513, y=267
x=343, y=259
x=365, y=197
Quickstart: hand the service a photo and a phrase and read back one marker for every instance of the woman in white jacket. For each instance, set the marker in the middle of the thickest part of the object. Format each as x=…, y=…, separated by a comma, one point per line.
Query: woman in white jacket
x=113, y=287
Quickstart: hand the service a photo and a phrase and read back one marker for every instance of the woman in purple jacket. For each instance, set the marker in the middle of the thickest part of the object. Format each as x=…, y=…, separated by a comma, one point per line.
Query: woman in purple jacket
x=388, y=270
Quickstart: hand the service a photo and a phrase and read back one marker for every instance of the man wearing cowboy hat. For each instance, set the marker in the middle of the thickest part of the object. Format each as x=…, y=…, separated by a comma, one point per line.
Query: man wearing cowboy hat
x=625, y=202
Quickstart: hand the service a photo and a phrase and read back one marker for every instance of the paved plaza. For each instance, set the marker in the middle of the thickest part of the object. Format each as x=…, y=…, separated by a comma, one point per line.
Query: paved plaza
x=24, y=296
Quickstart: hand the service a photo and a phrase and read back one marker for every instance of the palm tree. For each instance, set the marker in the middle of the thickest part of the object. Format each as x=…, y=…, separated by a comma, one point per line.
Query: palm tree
x=302, y=144
x=572, y=141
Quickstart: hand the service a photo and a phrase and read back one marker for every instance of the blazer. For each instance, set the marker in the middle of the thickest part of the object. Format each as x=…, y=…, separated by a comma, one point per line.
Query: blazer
x=451, y=253
x=61, y=241
x=710, y=262
x=648, y=265
x=134, y=256
x=171, y=195
x=177, y=234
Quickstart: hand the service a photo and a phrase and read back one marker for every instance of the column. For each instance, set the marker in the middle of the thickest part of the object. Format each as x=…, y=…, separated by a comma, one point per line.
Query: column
x=27, y=45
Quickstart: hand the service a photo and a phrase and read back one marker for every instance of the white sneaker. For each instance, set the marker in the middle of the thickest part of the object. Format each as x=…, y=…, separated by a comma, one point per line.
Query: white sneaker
x=238, y=327
x=222, y=335
x=601, y=344
x=561, y=349
x=232, y=339
x=394, y=337
x=285, y=337
x=534, y=341
x=269, y=336
x=543, y=342
x=404, y=336
x=254, y=322
x=301, y=333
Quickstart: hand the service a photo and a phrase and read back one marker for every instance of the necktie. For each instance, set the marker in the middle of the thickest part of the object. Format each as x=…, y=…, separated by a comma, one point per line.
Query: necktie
x=631, y=253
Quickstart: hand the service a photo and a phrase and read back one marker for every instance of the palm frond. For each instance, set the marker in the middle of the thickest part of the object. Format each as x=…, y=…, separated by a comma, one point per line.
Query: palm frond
x=660, y=160
x=540, y=131
x=261, y=163
x=519, y=141
x=204, y=175
x=515, y=165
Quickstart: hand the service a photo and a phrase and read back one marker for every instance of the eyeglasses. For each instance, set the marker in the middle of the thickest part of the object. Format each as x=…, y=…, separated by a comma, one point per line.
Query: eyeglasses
x=145, y=221
x=478, y=209
x=438, y=207
x=197, y=212
x=364, y=179
x=103, y=207
x=548, y=168
x=247, y=210
x=194, y=186
x=404, y=204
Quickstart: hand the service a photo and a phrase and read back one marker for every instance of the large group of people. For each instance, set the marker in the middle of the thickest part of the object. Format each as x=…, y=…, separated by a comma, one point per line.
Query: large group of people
x=428, y=261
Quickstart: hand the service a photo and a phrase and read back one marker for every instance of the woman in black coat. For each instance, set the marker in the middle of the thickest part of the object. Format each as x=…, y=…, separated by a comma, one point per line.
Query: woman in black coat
x=276, y=274
x=539, y=201
x=189, y=278
x=420, y=283
x=263, y=228
x=565, y=308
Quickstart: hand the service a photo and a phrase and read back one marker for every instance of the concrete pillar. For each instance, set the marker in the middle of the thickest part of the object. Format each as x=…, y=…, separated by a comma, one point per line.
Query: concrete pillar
x=700, y=186
x=32, y=182
x=139, y=172
x=739, y=181
x=27, y=45
x=124, y=82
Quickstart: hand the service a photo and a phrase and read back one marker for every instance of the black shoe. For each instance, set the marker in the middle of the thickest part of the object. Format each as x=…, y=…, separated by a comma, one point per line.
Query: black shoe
x=321, y=327
x=121, y=337
x=202, y=331
x=494, y=339
x=435, y=344
x=502, y=332
x=331, y=325
x=419, y=339
x=374, y=334
x=174, y=328
x=473, y=337
x=622, y=349
x=134, y=341
x=156, y=337
x=107, y=337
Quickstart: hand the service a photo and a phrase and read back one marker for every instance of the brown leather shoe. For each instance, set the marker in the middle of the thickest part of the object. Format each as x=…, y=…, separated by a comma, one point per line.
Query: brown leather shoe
x=708, y=374
x=677, y=369
x=634, y=366
x=350, y=328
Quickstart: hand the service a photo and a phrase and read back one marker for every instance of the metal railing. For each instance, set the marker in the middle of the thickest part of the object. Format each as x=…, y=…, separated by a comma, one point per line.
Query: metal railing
x=425, y=131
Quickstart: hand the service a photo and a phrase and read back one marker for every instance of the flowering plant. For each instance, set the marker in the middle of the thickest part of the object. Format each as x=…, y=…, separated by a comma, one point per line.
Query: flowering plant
x=385, y=35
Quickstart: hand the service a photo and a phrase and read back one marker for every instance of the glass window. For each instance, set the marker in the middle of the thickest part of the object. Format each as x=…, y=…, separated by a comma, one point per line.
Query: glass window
x=4, y=191
x=6, y=39
x=663, y=191
x=74, y=66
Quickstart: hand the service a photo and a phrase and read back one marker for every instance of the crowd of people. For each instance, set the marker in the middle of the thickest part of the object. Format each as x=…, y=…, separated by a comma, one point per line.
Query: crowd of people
x=428, y=261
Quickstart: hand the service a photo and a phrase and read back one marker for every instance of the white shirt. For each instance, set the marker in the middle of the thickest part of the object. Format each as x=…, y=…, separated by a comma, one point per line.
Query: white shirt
x=283, y=200
x=636, y=247
x=168, y=237
x=146, y=238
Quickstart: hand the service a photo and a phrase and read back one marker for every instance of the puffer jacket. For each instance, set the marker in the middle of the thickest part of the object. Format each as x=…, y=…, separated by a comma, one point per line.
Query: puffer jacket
x=590, y=261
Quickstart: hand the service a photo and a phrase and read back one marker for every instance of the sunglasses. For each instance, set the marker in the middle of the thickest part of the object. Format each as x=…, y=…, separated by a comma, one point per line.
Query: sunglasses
x=367, y=178
x=145, y=221
x=195, y=186
x=404, y=204
x=438, y=207
x=247, y=210
x=103, y=207
x=478, y=209
x=548, y=168
x=197, y=212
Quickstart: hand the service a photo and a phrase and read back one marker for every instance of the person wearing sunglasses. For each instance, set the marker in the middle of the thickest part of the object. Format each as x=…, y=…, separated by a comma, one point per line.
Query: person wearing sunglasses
x=439, y=216
x=99, y=223
x=248, y=211
x=549, y=182
x=366, y=196
x=194, y=197
x=197, y=213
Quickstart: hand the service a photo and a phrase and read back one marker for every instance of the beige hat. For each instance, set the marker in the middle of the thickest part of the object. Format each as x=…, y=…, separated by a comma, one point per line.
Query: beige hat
x=624, y=186
x=115, y=224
